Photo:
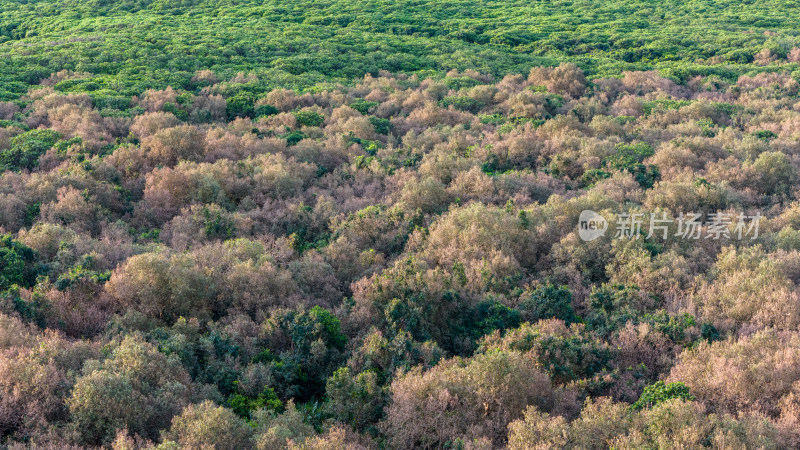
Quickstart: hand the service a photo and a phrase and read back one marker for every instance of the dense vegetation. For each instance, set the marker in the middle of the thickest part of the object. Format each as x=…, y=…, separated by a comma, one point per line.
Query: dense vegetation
x=133, y=45
x=347, y=225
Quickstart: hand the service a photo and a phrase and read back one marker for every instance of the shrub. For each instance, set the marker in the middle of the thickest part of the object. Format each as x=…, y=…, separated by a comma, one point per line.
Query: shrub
x=774, y=173
x=567, y=79
x=565, y=353
x=32, y=390
x=363, y=106
x=206, y=425
x=137, y=388
x=240, y=105
x=17, y=264
x=162, y=287
x=381, y=126
x=357, y=400
x=548, y=302
x=265, y=110
x=468, y=399
x=661, y=392
x=753, y=373
x=309, y=118
x=26, y=149
x=311, y=346
x=275, y=431
x=170, y=145
x=462, y=103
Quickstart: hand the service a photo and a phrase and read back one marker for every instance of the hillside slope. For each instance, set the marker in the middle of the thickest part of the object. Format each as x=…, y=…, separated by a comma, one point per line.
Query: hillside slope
x=134, y=45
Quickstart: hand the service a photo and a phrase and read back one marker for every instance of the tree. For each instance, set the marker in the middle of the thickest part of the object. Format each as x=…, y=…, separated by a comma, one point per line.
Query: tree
x=661, y=392
x=756, y=372
x=207, y=425
x=170, y=145
x=17, y=264
x=136, y=388
x=567, y=353
x=310, y=345
x=163, y=287
x=465, y=398
x=279, y=430
x=240, y=105
x=547, y=302
x=774, y=173
x=26, y=149
x=357, y=400
x=309, y=118
x=32, y=390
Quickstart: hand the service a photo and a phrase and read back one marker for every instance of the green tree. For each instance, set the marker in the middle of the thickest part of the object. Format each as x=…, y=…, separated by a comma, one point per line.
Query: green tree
x=26, y=149
x=240, y=105
x=309, y=118
x=548, y=302
x=357, y=400
x=17, y=264
x=660, y=392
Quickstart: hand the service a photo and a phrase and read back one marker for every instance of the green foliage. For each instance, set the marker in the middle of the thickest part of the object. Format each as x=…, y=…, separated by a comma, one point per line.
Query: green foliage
x=206, y=356
x=675, y=327
x=566, y=353
x=315, y=350
x=425, y=312
x=458, y=83
x=265, y=110
x=309, y=118
x=612, y=306
x=293, y=137
x=490, y=315
x=179, y=112
x=79, y=273
x=102, y=101
x=765, y=135
x=327, y=326
x=13, y=266
x=26, y=149
x=660, y=392
x=241, y=105
x=17, y=264
x=462, y=103
x=592, y=176
x=629, y=157
x=548, y=302
x=357, y=400
x=244, y=406
x=363, y=106
x=492, y=119
x=266, y=38
x=34, y=309
x=217, y=225
x=381, y=126
x=709, y=332
x=663, y=104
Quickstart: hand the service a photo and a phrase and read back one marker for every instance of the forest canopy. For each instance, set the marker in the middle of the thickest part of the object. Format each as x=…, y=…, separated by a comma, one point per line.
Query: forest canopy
x=129, y=46
x=267, y=225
